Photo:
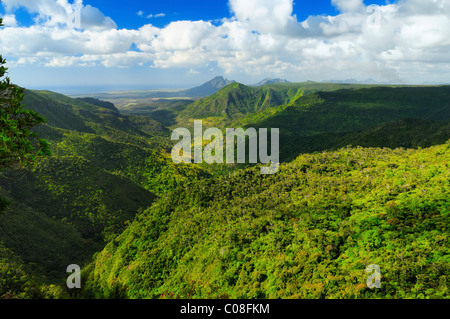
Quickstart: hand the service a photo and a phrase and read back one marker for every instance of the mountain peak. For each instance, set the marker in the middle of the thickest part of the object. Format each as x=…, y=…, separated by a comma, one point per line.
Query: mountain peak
x=208, y=88
x=218, y=82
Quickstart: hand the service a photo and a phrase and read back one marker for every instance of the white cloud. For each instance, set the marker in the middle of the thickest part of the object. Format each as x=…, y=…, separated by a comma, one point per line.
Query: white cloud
x=158, y=15
x=93, y=19
x=348, y=5
x=407, y=40
x=9, y=20
x=54, y=13
x=182, y=35
x=265, y=16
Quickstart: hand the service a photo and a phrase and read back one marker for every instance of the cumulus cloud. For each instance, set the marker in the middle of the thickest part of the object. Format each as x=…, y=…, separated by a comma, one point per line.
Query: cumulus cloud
x=392, y=42
x=9, y=20
x=54, y=13
x=348, y=5
x=92, y=19
x=182, y=35
x=265, y=16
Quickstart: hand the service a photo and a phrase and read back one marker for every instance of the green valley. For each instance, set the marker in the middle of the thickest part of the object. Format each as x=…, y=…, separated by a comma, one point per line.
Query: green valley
x=225, y=158
x=308, y=231
x=364, y=180
x=99, y=176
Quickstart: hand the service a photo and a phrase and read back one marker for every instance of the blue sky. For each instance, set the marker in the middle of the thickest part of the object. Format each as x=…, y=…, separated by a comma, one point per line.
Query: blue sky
x=123, y=45
x=125, y=15
x=162, y=12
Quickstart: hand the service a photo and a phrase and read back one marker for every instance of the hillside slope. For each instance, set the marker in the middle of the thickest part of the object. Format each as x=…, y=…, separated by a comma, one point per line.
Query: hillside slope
x=370, y=116
x=244, y=234
x=236, y=100
x=105, y=167
x=308, y=231
x=238, y=104
x=354, y=109
x=64, y=112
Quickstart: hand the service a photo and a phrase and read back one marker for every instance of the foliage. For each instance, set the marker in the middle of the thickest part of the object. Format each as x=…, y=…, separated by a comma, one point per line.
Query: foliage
x=374, y=117
x=307, y=232
x=220, y=231
x=236, y=100
x=104, y=169
x=356, y=109
x=163, y=175
x=17, y=283
x=19, y=144
x=237, y=103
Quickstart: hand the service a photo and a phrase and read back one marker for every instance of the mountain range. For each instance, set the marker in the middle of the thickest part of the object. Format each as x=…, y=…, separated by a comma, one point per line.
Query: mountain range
x=206, y=89
x=363, y=180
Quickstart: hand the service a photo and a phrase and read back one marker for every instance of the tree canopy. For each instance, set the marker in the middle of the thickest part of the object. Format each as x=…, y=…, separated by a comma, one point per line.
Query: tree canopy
x=19, y=144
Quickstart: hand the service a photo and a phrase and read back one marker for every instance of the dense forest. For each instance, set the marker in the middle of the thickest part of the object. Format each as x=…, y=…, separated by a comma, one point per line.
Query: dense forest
x=308, y=231
x=364, y=180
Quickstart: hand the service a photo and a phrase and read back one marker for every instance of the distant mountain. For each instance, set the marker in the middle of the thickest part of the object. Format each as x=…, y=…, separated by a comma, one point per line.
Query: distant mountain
x=208, y=88
x=270, y=81
x=237, y=100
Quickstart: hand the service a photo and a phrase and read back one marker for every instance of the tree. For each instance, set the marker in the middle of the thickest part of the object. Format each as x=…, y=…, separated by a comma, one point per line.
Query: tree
x=19, y=145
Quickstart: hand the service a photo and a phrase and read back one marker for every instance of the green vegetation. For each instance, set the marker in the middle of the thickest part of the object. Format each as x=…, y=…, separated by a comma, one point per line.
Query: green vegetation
x=307, y=232
x=17, y=283
x=373, y=117
x=364, y=180
x=319, y=116
x=237, y=103
x=19, y=144
x=19, y=147
x=105, y=167
x=310, y=230
x=236, y=100
x=357, y=109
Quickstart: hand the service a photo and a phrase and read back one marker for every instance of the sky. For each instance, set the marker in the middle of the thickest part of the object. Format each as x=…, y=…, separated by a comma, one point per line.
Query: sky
x=103, y=45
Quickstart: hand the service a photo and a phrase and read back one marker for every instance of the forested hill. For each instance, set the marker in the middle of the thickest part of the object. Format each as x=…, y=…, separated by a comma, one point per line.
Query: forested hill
x=322, y=116
x=187, y=230
x=95, y=117
x=308, y=231
x=236, y=100
x=356, y=109
x=105, y=167
x=370, y=116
